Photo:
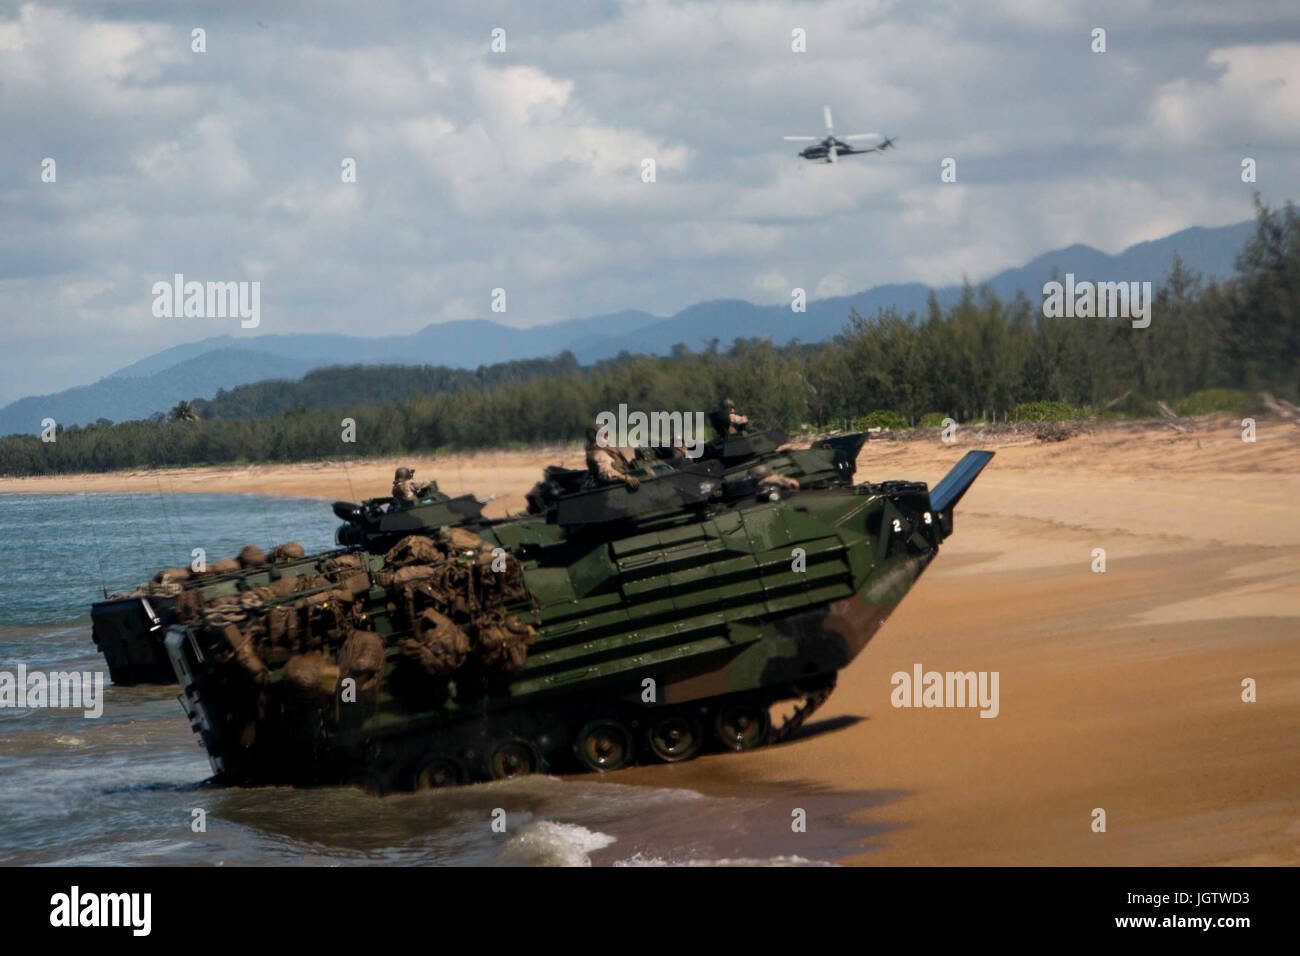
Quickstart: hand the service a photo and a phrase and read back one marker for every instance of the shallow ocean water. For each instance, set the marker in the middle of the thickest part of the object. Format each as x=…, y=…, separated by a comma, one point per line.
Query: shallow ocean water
x=129, y=786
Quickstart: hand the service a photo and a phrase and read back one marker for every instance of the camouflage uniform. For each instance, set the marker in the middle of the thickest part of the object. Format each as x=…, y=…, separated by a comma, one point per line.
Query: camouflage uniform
x=665, y=453
x=404, y=487
x=607, y=464
x=736, y=422
x=727, y=421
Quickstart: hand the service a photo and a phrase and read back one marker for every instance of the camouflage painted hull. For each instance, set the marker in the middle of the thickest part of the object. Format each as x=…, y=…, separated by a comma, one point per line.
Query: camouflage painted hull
x=653, y=643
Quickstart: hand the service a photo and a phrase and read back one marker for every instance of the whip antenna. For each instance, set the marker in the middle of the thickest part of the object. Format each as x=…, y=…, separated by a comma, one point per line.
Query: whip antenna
x=351, y=491
x=94, y=535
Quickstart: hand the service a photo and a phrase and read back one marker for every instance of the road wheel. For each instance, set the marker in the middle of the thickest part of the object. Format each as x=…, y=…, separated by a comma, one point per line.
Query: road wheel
x=741, y=724
x=604, y=744
x=436, y=770
x=512, y=758
x=674, y=735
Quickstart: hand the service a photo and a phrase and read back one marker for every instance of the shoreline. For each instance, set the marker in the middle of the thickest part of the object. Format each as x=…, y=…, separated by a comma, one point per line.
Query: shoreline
x=1119, y=690
x=510, y=472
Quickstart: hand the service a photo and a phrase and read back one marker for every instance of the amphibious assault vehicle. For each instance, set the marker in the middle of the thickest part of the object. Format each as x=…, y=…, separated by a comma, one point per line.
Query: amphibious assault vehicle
x=603, y=628
x=129, y=628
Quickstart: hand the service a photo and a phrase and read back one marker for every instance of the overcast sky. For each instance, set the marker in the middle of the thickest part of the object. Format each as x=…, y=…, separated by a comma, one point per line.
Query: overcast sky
x=522, y=169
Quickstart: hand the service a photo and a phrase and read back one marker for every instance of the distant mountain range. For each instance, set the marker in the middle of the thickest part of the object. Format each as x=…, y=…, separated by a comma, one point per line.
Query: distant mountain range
x=199, y=369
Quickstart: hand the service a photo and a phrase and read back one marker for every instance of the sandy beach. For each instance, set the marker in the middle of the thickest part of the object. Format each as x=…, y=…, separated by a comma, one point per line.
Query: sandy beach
x=1119, y=690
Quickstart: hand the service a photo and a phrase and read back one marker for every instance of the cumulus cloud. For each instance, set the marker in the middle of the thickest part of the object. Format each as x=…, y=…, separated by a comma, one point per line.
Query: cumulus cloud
x=523, y=169
x=1255, y=95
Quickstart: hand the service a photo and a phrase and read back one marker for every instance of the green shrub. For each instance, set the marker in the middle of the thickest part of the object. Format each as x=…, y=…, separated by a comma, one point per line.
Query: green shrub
x=1045, y=412
x=1212, y=400
x=932, y=420
x=880, y=419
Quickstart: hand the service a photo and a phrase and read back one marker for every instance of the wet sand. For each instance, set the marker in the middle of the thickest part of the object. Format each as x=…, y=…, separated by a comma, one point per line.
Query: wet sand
x=1118, y=690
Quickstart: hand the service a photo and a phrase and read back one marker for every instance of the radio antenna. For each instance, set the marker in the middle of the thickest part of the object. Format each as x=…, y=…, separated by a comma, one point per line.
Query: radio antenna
x=351, y=491
x=99, y=556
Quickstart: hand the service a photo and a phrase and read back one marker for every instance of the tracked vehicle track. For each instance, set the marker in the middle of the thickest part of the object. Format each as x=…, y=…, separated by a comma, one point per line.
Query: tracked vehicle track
x=802, y=712
x=614, y=743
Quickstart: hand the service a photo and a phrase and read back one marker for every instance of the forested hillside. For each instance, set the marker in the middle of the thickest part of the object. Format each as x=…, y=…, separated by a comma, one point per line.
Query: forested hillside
x=343, y=386
x=979, y=358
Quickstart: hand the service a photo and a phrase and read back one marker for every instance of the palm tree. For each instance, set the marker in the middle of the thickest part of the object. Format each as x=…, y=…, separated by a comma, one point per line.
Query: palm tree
x=184, y=412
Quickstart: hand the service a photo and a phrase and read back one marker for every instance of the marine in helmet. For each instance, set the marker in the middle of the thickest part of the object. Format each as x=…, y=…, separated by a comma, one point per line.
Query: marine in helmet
x=675, y=448
x=727, y=420
x=663, y=452
x=606, y=463
x=406, y=490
